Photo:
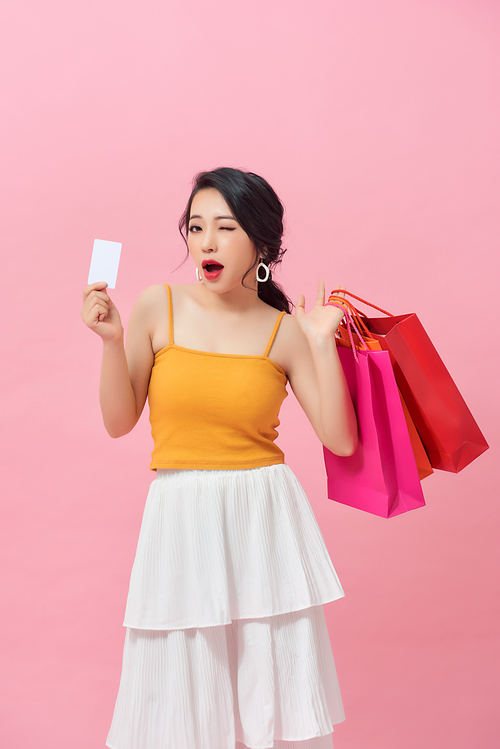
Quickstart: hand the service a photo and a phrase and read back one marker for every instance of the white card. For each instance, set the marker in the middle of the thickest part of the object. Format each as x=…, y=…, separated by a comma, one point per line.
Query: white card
x=104, y=262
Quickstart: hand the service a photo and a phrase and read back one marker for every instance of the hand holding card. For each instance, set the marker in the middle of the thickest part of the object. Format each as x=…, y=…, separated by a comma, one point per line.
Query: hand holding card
x=98, y=312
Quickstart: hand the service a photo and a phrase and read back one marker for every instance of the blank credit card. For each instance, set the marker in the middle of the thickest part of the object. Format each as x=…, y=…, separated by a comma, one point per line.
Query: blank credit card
x=104, y=262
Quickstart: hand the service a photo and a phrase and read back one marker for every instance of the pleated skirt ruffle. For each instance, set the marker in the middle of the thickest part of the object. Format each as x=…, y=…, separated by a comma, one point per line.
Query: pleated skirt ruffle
x=226, y=644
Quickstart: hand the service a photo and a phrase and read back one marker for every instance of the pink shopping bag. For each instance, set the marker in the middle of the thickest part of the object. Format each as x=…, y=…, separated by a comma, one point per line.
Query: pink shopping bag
x=381, y=477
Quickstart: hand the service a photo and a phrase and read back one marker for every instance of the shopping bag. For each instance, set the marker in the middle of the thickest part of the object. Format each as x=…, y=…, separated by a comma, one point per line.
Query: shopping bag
x=381, y=476
x=449, y=432
x=424, y=467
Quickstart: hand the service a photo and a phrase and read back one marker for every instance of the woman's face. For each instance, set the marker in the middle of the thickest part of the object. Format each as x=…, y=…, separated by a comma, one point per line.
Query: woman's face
x=222, y=251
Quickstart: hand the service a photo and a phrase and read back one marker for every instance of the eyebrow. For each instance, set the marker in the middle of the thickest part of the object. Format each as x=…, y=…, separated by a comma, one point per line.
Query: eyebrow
x=217, y=218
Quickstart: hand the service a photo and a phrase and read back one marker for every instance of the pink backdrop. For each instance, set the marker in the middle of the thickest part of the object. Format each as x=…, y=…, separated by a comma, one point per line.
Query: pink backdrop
x=377, y=122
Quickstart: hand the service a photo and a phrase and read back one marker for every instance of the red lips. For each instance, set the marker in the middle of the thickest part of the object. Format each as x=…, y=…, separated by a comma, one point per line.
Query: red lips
x=212, y=269
x=214, y=263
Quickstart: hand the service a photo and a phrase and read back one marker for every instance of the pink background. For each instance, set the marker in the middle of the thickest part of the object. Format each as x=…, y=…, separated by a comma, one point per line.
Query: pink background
x=377, y=122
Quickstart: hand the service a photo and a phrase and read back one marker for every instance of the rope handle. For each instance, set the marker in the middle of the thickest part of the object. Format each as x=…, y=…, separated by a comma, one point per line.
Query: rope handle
x=350, y=323
x=369, y=304
x=356, y=314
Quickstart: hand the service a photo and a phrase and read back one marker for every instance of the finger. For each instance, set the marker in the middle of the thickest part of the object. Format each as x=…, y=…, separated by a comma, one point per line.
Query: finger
x=97, y=313
x=94, y=298
x=340, y=291
x=300, y=306
x=101, y=285
x=99, y=295
x=320, y=299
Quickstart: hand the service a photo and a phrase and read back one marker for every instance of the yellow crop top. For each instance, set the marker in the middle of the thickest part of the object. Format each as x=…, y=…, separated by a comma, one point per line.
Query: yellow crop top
x=214, y=411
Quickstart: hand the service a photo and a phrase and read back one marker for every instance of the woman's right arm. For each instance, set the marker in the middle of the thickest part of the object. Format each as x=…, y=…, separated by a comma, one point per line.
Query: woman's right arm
x=124, y=376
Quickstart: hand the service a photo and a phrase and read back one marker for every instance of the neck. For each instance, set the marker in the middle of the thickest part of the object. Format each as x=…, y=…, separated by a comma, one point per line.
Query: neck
x=239, y=299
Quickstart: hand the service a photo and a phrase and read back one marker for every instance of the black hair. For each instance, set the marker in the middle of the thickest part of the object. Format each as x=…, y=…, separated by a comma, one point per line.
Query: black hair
x=259, y=212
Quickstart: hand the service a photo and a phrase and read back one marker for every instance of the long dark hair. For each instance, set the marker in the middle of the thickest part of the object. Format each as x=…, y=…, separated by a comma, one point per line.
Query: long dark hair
x=259, y=212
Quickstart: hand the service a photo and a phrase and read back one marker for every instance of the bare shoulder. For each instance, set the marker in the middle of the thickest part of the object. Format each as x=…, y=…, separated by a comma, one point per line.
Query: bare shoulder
x=290, y=330
x=290, y=345
x=151, y=296
x=151, y=302
x=151, y=311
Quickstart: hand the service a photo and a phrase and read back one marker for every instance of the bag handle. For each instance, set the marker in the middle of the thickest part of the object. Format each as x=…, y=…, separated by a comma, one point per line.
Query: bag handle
x=369, y=304
x=356, y=314
x=350, y=322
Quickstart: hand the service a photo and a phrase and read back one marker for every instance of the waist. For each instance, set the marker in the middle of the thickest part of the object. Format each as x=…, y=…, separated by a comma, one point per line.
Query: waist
x=207, y=446
x=164, y=459
x=172, y=475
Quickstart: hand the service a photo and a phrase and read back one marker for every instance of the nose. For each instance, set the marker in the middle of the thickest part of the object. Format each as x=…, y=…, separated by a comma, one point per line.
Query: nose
x=209, y=243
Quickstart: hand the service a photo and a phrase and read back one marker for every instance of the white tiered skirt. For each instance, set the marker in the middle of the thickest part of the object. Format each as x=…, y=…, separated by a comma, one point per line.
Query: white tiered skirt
x=226, y=644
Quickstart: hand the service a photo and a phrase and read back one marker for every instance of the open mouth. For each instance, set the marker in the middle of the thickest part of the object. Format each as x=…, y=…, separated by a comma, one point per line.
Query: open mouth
x=212, y=269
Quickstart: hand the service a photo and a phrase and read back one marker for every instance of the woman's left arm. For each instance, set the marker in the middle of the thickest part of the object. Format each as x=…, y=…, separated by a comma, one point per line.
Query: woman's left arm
x=317, y=377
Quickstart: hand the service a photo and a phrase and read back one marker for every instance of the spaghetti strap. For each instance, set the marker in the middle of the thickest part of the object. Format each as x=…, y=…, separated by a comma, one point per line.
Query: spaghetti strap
x=170, y=316
x=273, y=334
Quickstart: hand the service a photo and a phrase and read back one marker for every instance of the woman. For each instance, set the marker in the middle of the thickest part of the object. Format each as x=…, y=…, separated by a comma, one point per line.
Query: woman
x=226, y=637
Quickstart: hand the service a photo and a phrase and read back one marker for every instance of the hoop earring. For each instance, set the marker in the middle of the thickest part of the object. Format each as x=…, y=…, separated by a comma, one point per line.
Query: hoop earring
x=266, y=271
x=198, y=277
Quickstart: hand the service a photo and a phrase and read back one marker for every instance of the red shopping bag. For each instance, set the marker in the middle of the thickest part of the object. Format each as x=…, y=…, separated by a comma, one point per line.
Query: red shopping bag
x=451, y=436
x=381, y=476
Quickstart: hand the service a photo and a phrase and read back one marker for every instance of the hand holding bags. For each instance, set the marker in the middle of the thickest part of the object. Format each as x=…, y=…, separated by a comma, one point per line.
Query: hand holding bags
x=381, y=476
x=450, y=435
